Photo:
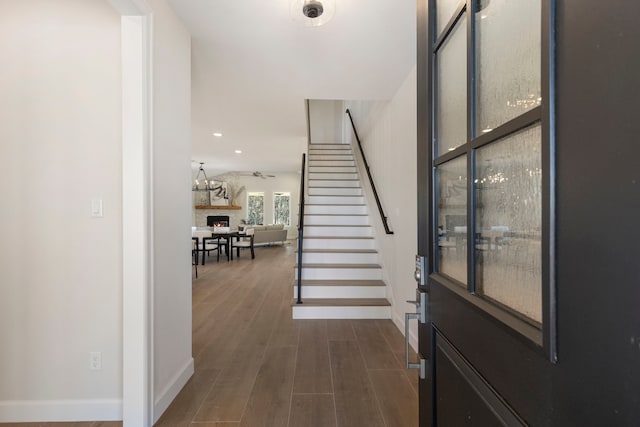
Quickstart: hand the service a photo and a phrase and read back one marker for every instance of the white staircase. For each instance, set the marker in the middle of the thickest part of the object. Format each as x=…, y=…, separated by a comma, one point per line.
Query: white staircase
x=341, y=275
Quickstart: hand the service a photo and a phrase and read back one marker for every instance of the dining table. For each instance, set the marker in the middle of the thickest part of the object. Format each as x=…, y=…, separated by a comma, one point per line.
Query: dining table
x=225, y=239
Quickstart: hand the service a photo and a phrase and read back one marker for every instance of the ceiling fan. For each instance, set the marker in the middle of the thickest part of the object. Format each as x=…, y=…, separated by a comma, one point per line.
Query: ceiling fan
x=257, y=174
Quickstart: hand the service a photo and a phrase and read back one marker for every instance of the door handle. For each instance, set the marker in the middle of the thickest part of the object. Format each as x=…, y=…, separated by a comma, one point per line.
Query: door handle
x=421, y=316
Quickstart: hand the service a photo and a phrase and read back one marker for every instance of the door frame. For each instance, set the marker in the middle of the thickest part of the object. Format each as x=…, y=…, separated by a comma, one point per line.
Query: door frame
x=137, y=212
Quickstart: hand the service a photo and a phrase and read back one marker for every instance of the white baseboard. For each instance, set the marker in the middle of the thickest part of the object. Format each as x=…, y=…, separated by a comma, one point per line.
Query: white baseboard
x=60, y=410
x=164, y=399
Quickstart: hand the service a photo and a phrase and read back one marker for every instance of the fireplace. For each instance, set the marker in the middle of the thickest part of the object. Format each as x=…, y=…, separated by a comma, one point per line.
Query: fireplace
x=218, y=221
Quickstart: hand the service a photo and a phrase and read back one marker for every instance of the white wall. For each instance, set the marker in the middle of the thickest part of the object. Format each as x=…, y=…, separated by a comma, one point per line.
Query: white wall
x=326, y=121
x=171, y=176
x=60, y=269
x=387, y=130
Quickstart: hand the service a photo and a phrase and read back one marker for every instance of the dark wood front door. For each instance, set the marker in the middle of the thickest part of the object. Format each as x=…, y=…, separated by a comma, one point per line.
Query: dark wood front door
x=529, y=199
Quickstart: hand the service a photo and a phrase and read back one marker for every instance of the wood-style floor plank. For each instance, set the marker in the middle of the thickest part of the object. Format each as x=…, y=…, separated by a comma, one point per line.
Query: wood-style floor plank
x=397, y=399
x=356, y=403
x=271, y=395
x=229, y=395
x=375, y=349
x=187, y=403
x=313, y=410
x=340, y=330
x=396, y=342
x=313, y=373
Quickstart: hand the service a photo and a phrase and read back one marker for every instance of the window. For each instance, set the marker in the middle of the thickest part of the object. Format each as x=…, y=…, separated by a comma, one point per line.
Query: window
x=488, y=152
x=282, y=208
x=255, y=208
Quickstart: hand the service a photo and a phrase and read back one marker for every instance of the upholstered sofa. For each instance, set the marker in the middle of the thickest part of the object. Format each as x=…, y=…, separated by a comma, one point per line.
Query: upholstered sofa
x=267, y=234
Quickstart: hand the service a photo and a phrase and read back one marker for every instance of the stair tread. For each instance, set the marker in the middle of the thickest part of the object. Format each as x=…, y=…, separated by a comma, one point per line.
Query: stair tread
x=328, y=282
x=333, y=195
x=336, y=225
x=312, y=265
x=334, y=204
x=339, y=251
x=326, y=214
x=343, y=302
x=339, y=237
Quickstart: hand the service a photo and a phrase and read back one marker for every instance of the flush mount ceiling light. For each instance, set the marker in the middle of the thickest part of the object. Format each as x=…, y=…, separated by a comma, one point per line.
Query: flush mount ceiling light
x=218, y=134
x=238, y=151
x=312, y=13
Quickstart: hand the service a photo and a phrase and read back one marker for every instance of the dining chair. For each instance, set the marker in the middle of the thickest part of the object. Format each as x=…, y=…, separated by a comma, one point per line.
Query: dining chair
x=206, y=243
x=194, y=254
x=245, y=242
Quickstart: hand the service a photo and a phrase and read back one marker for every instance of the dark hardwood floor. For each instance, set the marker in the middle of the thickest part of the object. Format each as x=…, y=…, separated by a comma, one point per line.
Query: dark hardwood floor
x=255, y=366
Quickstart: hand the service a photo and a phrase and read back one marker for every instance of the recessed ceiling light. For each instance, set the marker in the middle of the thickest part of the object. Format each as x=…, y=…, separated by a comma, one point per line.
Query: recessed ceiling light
x=238, y=151
x=218, y=134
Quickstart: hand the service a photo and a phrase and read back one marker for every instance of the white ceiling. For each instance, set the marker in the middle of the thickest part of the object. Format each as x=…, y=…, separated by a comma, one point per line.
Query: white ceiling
x=253, y=66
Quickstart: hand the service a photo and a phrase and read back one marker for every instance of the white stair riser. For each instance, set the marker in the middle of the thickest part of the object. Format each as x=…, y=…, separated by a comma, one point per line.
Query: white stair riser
x=322, y=146
x=310, y=243
x=336, y=169
x=332, y=175
x=341, y=292
x=340, y=273
x=336, y=220
x=335, y=209
x=338, y=257
x=300, y=311
x=310, y=230
x=349, y=163
x=339, y=200
x=331, y=183
x=325, y=156
x=334, y=191
x=341, y=152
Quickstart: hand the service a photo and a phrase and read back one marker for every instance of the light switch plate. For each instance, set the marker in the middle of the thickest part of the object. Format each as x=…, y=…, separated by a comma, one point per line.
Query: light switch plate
x=96, y=208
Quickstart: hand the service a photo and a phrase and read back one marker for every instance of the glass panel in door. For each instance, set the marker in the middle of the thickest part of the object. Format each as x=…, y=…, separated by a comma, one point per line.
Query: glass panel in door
x=507, y=60
x=452, y=90
x=452, y=218
x=508, y=190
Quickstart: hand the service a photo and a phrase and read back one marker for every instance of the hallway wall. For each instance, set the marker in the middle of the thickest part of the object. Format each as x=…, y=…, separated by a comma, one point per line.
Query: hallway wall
x=171, y=180
x=387, y=130
x=60, y=269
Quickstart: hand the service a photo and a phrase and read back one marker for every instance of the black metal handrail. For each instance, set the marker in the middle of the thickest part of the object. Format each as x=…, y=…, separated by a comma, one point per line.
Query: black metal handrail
x=301, y=229
x=373, y=186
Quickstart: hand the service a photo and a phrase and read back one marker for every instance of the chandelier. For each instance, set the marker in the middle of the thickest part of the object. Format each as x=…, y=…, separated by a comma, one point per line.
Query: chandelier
x=197, y=186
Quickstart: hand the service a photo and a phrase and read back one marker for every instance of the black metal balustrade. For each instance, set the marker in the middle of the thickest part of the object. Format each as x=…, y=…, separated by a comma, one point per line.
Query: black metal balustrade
x=373, y=186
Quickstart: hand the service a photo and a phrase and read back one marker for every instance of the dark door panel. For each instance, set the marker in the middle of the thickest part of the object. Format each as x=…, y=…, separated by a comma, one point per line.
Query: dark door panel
x=464, y=397
x=511, y=364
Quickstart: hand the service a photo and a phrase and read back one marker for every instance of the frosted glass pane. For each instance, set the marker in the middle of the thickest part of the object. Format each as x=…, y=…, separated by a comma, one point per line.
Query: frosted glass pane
x=508, y=222
x=444, y=12
x=451, y=88
x=507, y=60
x=452, y=218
